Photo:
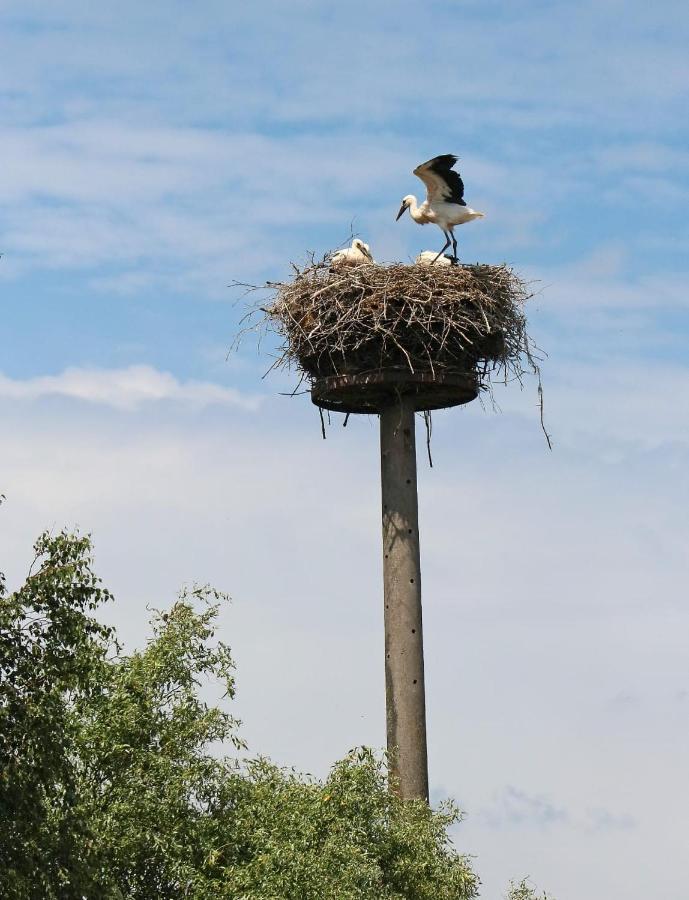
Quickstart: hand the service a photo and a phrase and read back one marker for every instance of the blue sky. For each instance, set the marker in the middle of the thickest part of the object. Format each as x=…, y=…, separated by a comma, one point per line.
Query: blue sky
x=154, y=153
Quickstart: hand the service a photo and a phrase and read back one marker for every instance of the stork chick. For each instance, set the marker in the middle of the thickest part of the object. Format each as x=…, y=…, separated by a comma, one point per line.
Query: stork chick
x=359, y=254
x=444, y=205
x=430, y=257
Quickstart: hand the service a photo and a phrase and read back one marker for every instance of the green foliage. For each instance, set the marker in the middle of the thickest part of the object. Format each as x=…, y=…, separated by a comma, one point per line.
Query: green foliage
x=347, y=837
x=147, y=778
x=109, y=786
x=524, y=891
x=51, y=650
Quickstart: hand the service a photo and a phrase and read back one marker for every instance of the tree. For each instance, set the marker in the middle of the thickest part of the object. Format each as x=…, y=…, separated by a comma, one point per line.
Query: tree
x=51, y=652
x=109, y=786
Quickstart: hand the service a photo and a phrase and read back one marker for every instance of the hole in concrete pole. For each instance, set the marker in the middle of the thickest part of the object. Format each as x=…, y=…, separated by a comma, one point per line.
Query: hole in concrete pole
x=408, y=530
x=413, y=631
x=411, y=581
x=415, y=681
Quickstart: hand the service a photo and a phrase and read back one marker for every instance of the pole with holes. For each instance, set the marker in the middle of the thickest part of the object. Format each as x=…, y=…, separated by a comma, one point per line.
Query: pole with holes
x=404, y=680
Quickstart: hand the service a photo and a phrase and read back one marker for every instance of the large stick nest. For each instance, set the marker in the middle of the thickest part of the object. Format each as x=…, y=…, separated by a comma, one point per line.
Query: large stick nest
x=437, y=319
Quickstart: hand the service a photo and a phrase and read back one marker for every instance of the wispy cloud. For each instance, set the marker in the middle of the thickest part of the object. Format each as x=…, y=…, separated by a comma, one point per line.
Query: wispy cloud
x=125, y=389
x=555, y=587
x=514, y=807
x=359, y=63
x=605, y=820
x=148, y=159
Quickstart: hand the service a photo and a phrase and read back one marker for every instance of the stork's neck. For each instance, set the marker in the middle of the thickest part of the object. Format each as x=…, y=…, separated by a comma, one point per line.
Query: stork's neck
x=416, y=211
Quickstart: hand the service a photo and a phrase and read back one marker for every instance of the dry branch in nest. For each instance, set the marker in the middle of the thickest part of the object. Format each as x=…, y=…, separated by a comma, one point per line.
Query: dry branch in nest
x=443, y=320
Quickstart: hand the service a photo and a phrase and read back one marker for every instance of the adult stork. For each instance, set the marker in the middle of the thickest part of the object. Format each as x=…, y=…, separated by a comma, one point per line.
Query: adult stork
x=444, y=205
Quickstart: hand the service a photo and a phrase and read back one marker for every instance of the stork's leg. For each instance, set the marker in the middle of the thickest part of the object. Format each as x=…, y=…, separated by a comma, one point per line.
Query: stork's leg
x=455, y=261
x=447, y=244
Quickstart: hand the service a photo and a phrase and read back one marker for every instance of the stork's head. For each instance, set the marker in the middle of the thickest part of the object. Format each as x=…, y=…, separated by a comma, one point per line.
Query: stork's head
x=406, y=203
x=358, y=244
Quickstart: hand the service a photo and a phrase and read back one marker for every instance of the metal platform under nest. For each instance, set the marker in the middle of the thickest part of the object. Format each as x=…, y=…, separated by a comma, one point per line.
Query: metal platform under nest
x=373, y=392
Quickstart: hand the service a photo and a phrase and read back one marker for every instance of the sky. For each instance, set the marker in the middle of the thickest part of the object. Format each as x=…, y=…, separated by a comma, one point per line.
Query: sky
x=155, y=153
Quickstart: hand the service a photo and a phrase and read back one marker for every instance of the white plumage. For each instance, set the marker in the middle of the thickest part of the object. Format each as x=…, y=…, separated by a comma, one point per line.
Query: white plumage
x=359, y=254
x=429, y=257
x=444, y=205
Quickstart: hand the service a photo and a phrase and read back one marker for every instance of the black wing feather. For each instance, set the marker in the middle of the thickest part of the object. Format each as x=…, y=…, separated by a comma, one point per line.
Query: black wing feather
x=442, y=166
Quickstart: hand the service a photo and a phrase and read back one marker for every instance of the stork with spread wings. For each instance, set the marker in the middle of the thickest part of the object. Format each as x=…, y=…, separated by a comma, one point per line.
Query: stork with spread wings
x=444, y=205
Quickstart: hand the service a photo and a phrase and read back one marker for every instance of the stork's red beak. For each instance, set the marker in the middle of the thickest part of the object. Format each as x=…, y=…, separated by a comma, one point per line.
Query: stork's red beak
x=401, y=212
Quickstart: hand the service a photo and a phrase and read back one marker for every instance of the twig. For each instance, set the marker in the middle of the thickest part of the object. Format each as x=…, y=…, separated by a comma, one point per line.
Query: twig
x=540, y=403
x=428, y=422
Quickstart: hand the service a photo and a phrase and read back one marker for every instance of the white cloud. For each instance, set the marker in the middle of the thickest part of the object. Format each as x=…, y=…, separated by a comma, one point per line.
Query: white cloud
x=180, y=203
x=126, y=389
x=181, y=164
x=613, y=405
x=599, y=281
x=552, y=582
x=604, y=820
x=514, y=807
x=643, y=156
x=184, y=206
x=511, y=808
x=554, y=65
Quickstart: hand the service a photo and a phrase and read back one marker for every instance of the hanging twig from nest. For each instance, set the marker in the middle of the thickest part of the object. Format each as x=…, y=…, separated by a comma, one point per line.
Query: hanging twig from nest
x=540, y=404
x=428, y=422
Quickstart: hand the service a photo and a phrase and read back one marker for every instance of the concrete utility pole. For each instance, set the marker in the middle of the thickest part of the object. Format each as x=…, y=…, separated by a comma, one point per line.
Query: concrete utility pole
x=404, y=679
x=394, y=396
